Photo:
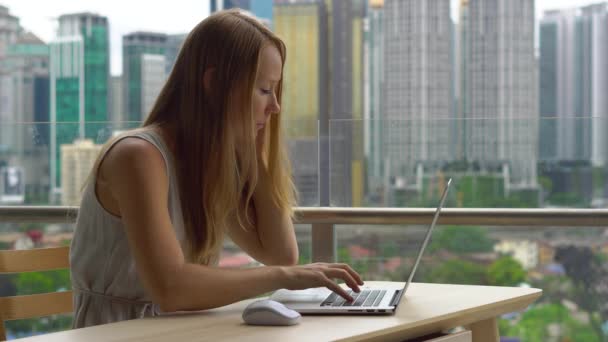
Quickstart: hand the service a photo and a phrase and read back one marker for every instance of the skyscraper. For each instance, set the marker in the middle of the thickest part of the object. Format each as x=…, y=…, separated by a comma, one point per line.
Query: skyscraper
x=25, y=99
x=79, y=82
x=374, y=45
x=9, y=29
x=599, y=111
x=573, y=50
x=461, y=43
x=77, y=160
x=417, y=88
x=262, y=9
x=499, y=105
x=345, y=24
x=174, y=44
x=153, y=79
x=135, y=46
x=324, y=89
x=302, y=25
x=117, y=107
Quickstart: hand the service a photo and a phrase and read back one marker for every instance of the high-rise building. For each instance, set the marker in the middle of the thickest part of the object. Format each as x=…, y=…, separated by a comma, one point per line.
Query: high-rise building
x=262, y=9
x=24, y=70
x=79, y=82
x=24, y=136
x=461, y=43
x=174, y=44
x=599, y=111
x=117, y=107
x=135, y=46
x=153, y=79
x=324, y=89
x=374, y=47
x=9, y=29
x=572, y=81
x=302, y=25
x=77, y=161
x=417, y=89
x=345, y=24
x=500, y=106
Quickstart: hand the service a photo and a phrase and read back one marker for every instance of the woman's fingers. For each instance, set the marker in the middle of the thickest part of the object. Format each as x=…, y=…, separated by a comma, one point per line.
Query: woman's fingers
x=350, y=271
x=330, y=284
x=344, y=275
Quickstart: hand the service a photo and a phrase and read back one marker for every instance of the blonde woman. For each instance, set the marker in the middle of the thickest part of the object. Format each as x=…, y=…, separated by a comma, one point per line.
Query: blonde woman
x=208, y=161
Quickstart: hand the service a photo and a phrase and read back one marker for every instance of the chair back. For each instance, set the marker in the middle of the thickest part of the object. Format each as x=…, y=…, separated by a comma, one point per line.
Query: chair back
x=37, y=305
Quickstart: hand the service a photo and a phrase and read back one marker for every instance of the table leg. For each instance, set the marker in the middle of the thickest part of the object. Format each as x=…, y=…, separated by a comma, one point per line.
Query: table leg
x=485, y=331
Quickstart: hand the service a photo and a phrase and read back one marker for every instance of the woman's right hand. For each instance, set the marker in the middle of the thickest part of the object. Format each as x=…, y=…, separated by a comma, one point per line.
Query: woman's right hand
x=321, y=274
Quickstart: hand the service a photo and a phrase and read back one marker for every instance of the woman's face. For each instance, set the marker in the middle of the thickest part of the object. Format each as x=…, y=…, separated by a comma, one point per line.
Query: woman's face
x=264, y=93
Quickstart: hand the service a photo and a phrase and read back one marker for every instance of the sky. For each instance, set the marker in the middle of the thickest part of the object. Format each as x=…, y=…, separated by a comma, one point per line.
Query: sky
x=180, y=16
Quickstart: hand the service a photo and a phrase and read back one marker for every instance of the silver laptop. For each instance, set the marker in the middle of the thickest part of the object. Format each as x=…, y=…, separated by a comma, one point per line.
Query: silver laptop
x=370, y=301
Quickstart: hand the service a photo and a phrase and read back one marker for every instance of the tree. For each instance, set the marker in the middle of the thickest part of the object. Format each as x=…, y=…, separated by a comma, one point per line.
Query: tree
x=534, y=326
x=589, y=277
x=555, y=287
x=41, y=282
x=459, y=239
x=456, y=272
x=506, y=271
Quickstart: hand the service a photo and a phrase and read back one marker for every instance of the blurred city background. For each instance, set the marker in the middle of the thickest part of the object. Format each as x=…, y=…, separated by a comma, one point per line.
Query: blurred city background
x=383, y=102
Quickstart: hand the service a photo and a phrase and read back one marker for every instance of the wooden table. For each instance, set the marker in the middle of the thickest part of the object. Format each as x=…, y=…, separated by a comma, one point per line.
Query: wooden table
x=425, y=308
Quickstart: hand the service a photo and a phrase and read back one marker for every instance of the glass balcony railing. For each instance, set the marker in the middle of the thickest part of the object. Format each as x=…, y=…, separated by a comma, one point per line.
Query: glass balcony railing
x=526, y=207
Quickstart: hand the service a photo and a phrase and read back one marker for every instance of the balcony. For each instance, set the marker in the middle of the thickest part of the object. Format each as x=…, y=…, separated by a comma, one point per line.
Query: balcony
x=507, y=221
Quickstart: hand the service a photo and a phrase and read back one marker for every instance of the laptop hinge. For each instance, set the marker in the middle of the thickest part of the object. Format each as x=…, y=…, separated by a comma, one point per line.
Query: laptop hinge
x=396, y=298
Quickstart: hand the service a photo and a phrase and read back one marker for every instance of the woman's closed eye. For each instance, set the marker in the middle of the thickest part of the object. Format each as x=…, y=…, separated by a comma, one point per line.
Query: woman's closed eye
x=266, y=91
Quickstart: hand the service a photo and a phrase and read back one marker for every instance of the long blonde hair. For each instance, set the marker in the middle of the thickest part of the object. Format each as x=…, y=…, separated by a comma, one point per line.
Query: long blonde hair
x=214, y=177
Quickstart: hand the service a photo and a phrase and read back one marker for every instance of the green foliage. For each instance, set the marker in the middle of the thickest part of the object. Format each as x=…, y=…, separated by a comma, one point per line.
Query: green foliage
x=461, y=239
x=361, y=267
x=599, y=179
x=305, y=254
x=506, y=271
x=587, y=274
x=457, y=272
x=344, y=255
x=534, y=323
x=26, y=327
x=478, y=190
x=546, y=183
x=555, y=288
x=567, y=199
x=41, y=282
x=389, y=249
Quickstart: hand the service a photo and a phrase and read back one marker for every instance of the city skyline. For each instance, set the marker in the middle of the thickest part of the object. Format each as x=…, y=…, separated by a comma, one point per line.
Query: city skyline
x=417, y=83
x=125, y=18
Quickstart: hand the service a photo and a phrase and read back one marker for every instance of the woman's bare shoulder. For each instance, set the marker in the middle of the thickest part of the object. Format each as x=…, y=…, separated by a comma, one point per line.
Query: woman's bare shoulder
x=131, y=155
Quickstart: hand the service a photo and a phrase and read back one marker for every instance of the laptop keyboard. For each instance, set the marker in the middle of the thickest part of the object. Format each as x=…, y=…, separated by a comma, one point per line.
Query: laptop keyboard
x=363, y=298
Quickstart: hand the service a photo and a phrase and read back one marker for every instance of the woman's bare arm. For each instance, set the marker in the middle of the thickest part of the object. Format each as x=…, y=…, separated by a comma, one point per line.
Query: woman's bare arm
x=271, y=239
x=135, y=173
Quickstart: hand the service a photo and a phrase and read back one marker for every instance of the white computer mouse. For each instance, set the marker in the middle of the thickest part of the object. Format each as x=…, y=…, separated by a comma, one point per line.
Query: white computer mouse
x=270, y=312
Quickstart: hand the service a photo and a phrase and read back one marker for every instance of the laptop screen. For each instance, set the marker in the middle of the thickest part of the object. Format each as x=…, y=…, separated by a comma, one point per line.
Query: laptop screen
x=426, y=238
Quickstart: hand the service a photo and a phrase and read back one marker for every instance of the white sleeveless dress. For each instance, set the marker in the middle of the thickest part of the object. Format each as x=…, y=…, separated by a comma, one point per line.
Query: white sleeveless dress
x=104, y=277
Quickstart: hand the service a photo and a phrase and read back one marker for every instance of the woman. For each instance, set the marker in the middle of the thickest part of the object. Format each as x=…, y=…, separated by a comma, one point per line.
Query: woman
x=208, y=161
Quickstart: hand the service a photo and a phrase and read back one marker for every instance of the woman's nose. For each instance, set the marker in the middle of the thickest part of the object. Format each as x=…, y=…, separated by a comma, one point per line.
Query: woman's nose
x=274, y=107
